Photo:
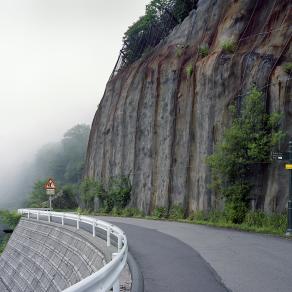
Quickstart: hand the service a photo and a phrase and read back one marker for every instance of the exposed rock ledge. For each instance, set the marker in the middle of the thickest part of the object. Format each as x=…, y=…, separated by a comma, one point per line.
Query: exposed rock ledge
x=158, y=124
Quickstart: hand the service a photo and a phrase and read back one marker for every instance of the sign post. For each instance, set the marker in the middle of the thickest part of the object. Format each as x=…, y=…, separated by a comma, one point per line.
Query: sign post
x=289, y=167
x=50, y=187
x=287, y=156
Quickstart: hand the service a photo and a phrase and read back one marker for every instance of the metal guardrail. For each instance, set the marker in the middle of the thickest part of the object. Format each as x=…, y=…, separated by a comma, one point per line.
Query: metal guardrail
x=108, y=276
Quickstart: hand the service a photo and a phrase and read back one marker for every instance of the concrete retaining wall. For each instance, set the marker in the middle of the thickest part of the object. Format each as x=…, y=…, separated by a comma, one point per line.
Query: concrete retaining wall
x=49, y=257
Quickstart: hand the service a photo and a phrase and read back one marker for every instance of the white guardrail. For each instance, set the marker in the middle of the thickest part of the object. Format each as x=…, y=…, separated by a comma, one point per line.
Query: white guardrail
x=108, y=276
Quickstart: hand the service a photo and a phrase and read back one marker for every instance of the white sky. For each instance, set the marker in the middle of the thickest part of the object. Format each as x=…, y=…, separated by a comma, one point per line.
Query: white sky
x=55, y=59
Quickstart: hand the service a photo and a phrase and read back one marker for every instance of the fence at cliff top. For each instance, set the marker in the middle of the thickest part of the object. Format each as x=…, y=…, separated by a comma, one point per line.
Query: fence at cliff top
x=108, y=276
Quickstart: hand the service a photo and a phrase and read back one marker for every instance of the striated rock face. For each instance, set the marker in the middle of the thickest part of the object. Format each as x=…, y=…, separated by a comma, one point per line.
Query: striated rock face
x=158, y=119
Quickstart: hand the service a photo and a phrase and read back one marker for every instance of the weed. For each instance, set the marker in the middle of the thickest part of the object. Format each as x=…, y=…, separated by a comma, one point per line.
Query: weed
x=176, y=212
x=203, y=50
x=189, y=70
x=288, y=68
x=160, y=212
x=228, y=46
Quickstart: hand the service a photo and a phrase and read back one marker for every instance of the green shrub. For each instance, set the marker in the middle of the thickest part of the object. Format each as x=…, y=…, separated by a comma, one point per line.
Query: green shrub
x=90, y=189
x=216, y=216
x=197, y=216
x=116, y=211
x=235, y=211
x=9, y=218
x=248, y=141
x=189, y=70
x=160, y=212
x=3, y=242
x=108, y=204
x=288, y=68
x=132, y=212
x=255, y=219
x=176, y=212
x=277, y=222
x=203, y=51
x=228, y=46
x=119, y=191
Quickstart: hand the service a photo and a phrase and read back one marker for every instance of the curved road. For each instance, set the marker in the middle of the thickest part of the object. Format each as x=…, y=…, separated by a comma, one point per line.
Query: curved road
x=179, y=257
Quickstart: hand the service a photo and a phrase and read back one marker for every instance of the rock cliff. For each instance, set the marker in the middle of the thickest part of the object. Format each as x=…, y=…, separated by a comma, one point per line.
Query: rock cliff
x=160, y=117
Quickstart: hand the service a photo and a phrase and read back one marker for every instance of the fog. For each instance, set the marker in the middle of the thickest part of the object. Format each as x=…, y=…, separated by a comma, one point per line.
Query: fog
x=55, y=59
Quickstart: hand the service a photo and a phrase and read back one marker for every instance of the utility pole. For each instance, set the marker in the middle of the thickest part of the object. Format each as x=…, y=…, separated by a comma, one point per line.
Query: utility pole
x=289, y=167
x=287, y=156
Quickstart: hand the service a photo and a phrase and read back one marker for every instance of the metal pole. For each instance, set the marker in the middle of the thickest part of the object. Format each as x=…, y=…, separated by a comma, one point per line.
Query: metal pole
x=289, y=230
x=50, y=199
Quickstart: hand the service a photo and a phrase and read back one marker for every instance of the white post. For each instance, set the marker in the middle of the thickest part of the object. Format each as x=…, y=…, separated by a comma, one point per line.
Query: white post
x=116, y=286
x=49, y=217
x=119, y=243
x=62, y=220
x=108, y=237
x=93, y=229
x=28, y=215
x=38, y=215
x=77, y=223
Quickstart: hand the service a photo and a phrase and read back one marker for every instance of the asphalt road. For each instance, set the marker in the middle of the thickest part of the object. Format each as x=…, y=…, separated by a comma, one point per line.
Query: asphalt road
x=182, y=257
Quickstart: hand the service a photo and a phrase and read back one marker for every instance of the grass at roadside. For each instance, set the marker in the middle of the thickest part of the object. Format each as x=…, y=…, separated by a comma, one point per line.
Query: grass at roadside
x=259, y=222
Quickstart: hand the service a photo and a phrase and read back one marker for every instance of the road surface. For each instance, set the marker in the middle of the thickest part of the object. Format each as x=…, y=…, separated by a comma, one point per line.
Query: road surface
x=182, y=257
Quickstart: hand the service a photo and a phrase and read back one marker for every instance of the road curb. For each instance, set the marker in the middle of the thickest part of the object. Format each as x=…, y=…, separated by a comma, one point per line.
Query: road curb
x=136, y=274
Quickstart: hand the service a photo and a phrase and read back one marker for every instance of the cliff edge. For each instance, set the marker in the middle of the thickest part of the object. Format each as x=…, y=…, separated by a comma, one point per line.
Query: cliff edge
x=161, y=116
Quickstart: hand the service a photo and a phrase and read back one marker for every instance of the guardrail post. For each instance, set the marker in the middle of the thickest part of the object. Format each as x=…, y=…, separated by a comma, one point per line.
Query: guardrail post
x=49, y=217
x=93, y=229
x=108, y=237
x=38, y=214
x=77, y=221
x=119, y=243
x=28, y=215
x=62, y=220
x=116, y=286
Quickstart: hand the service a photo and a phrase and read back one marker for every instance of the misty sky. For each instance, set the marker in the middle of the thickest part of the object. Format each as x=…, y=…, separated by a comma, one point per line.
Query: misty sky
x=55, y=59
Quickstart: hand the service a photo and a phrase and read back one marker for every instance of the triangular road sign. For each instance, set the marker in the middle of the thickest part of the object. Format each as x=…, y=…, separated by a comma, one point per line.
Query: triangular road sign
x=50, y=184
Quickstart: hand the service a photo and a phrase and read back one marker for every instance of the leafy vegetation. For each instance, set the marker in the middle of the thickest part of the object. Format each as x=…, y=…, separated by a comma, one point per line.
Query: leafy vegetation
x=9, y=218
x=114, y=197
x=189, y=70
x=203, y=51
x=3, y=242
x=119, y=190
x=160, y=213
x=64, y=162
x=253, y=221
x=288, y=68
x=89, y=190
x=160, y=18
x=228, y=46
x=38, y=195
x=245, y=145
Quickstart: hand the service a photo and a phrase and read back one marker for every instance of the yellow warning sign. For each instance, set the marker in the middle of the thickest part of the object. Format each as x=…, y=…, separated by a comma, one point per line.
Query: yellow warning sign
x=288, y=166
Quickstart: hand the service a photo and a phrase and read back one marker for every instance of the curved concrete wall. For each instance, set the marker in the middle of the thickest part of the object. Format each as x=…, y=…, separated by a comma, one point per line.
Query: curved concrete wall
x=49, y=257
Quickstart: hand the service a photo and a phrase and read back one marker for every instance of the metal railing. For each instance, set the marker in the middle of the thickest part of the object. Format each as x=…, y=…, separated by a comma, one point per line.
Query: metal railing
x=108, y=276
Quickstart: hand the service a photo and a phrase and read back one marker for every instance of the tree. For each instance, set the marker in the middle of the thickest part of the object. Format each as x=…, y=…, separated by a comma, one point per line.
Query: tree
x=63, y=161
x=161, y=16
x=38, y=194
x=89, y=190
x=246, y=144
